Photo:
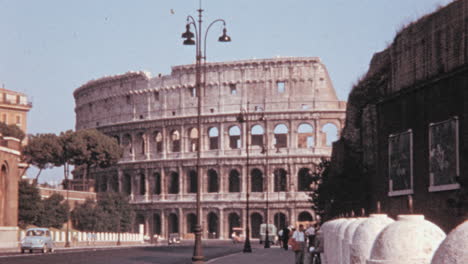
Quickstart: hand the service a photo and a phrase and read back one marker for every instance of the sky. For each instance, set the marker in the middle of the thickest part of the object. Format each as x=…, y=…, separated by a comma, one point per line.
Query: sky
x=49, y=48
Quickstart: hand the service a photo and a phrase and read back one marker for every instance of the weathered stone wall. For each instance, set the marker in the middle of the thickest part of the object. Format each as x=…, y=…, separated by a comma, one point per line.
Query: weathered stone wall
x=403, y=90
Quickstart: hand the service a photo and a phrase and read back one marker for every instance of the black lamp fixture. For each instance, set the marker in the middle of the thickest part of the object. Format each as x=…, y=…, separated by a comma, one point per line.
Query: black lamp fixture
x=224, y=37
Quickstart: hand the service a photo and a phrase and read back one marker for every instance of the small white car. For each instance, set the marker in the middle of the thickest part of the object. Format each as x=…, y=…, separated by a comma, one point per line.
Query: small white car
x=37, y=239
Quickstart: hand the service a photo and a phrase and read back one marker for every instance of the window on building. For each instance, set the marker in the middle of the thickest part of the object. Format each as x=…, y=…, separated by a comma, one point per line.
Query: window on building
x=331, y=134
x=305, y=136
x=304, y=179
x=129, y=99
x=281, y=87
x=213, y=183
x=257, y=135
x=156, y=96
x=213, y=135
x=234, y=137
x=281, y=136
x=192, y=181
x=400, y=164
x=193, y=139
x=18, y=120
x=233, y=88
x=256, y=176
x=193, y=91
x=18, y=99
x=159, y=142
x=157, y=183
x=173, y=183
x=280, y=180
x=175, y=141
x=234, y=181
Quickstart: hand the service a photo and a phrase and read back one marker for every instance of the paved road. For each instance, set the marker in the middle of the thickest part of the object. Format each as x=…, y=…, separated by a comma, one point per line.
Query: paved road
x=176, y=254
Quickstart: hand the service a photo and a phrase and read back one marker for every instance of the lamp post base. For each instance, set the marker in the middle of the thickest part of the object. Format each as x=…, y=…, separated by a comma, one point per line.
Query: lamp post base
x=267, y=243
x=197, y=257
x=247, y=247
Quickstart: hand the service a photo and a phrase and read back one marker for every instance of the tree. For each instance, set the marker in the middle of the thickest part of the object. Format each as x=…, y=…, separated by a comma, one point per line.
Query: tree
x=43, y=151
x=53, y=212
x=29, y=204
x=106, y=215
x=11, y=131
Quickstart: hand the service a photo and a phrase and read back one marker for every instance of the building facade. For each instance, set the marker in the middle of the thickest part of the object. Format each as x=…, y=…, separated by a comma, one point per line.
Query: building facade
x=14, y=107
x=286, y=105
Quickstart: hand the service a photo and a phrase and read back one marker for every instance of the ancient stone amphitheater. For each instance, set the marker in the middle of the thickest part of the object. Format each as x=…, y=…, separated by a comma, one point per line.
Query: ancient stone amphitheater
x=287, y=106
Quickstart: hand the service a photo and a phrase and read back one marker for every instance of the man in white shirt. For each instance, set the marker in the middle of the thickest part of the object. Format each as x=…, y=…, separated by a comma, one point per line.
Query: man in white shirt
x=310, y=232
x=300, y=238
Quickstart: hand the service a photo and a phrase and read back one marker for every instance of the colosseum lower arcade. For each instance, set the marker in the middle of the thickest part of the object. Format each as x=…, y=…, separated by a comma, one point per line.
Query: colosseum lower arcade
x=290, y=115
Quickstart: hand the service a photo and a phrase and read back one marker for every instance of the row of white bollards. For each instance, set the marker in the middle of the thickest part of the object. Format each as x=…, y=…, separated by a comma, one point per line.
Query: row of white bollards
x=379, y=239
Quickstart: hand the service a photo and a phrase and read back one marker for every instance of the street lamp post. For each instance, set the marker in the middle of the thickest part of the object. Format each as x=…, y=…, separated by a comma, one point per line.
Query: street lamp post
x=267, y=239
x=244, y=117
x=67, y=235
x=199, y=84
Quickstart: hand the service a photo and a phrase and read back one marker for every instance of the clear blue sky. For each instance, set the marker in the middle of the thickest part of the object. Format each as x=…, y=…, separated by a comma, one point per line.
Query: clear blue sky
x=48, y=48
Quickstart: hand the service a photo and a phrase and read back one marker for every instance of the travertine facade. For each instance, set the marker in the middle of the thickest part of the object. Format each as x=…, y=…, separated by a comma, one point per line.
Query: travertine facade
x=285, y=103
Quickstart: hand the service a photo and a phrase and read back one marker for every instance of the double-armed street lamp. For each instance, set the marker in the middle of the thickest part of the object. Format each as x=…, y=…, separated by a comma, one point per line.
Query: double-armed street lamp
x=199, y=85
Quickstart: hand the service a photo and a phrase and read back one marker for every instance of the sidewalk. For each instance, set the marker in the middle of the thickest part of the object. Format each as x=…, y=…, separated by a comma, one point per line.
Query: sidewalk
x=258, y=256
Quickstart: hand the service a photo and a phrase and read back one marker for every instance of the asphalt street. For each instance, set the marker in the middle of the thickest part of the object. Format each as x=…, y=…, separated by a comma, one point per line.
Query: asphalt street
x=174, y=254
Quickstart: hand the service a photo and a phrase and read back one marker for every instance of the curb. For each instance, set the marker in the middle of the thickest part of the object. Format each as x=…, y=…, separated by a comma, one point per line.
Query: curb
x=222, y=257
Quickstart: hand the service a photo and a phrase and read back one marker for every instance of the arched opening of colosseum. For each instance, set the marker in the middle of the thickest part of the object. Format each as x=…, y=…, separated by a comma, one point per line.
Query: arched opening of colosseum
x=139, y=220
x=174, y=183
x=234, y=137
x=331, y=134
x=175, y=141
x=127, y=145
x=305, y=136
x=256, y=177
x=213, y=183
x=159, y=141
x=280, y=220
x=304, y=179
x=193, y=139
x=117, y=138
x=157, y=183
x=140, y=143
x=114, y=183
x=257, y=132
x=280, y=180
x=304, y=217
x=142, y=184
x=127, y=184
x=3, y=186
x=281, y=136
x=234, y=181
x=233, y=221
x=173, y=223
x=213, y=135
x=213, y=225
x=192, y=181
x=157, y=224
x=191, y=222
x=256, y=220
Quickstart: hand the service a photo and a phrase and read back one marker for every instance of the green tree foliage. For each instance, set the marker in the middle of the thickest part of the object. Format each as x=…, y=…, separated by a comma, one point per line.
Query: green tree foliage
x=11, y=131
x=43, y=151
x=104, y=216
x=29, y=204
x=321, y=197
x=54, y=212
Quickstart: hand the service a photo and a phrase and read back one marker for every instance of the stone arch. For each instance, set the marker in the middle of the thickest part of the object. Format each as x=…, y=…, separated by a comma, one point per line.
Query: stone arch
x=192, y=182
x=234, y=181
x=172, y=223
x=157, y=224
x=234, y=137
x=280, y=220
x=281, y=136
x=173, y=187
x=330, y=132
x=304, y=179
x=305, y=135
x=191, y=222
x=142, y=184
x=234, y=220
x=140, y=144
x=280, y=180
x=193, y=139
x=175, y=141
x=213, y=136
x=257, y=132
x=113, y=183
x=156, y=183
x=158, y=140
x=213, y=181
x=256, y=220
x=127, y=144
x=256, y=176
x=213, y=225
x=3, y=191
x=127, y=184
x=139, y=220
x=305, y=216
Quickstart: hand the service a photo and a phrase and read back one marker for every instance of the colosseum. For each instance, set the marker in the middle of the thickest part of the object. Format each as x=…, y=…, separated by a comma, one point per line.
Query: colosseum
x=284, y=109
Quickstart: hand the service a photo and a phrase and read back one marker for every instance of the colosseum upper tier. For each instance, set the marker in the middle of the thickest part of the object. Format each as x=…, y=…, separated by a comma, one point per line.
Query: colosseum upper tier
x=280, y=107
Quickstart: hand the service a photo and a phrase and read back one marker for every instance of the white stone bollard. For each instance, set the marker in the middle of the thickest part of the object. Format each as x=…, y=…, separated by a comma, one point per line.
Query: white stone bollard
x=325, y=232
x=409, y=240
x=340, y=238
x=331, y=241
x=348, y=240
x=365, y=235
x=454, y=249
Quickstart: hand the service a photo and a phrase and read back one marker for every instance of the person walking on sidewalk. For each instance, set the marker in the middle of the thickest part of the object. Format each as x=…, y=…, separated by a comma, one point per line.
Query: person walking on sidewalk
x=285, y=237
x=300, y=240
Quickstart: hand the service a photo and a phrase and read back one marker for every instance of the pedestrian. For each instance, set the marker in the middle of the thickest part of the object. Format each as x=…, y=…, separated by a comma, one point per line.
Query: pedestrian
x=285, y=238
x=280, y=236
x=299, y=238
x=310, y=232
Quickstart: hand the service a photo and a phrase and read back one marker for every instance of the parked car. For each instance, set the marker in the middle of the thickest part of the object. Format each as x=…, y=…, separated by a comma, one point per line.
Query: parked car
x=174, y=238
x=37, y=239
x=272, y=237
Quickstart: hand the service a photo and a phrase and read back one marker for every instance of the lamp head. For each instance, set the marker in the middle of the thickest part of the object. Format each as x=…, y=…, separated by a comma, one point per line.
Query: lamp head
x=187, y=34
x=224, y=37
x=189, y=41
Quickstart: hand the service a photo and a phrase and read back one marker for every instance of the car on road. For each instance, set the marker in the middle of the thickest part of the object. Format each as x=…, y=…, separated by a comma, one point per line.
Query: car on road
x=37, y=239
